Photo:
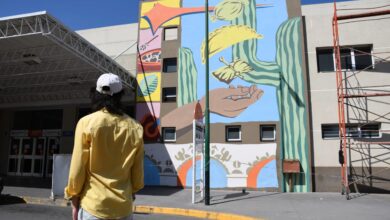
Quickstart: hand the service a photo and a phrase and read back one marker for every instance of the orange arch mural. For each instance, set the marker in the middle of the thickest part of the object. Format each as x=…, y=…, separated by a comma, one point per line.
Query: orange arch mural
x=252, y=175
x=182, y=173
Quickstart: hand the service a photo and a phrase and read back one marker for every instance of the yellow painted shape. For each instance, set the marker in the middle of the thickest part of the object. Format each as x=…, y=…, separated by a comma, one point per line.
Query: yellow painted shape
x=46, y=201
x=227, y=36
x=191, y=213
x=156, y=95
x=146, y=6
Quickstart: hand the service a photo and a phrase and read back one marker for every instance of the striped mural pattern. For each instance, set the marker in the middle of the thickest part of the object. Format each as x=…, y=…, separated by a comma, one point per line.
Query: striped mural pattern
x=292, y=102
x=187, y=78
x=266, y=72
x=286, y=75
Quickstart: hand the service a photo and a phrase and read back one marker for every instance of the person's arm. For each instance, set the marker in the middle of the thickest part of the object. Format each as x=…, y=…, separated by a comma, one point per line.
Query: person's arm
x=75, y=207
x=79, y=163
x=137, y=170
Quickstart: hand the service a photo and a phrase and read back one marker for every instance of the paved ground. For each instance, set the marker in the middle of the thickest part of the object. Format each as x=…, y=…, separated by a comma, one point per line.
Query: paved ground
x=253, y=203
x=24, y=211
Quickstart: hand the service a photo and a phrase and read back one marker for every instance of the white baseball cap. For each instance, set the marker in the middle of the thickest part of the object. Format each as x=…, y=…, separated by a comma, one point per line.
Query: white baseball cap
x=108, y=84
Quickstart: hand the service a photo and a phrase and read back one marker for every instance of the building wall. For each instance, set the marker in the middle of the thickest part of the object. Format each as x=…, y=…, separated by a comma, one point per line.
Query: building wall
x=323, y=85
x=257, y=77
x=118, y=42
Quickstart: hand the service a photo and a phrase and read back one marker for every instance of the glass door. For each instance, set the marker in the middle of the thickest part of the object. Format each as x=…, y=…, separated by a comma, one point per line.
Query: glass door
x=20, y=160
x=53, y=147
x=33, y=156
x=39, y=156
x=13, y=159
x=26, y=156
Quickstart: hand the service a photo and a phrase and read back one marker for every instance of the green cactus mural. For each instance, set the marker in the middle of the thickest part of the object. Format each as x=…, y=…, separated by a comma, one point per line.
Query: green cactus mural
x=286, y=75
x=188, y=75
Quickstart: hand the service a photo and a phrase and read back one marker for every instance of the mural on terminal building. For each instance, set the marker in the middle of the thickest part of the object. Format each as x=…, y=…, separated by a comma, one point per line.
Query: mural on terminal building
x=255, y=56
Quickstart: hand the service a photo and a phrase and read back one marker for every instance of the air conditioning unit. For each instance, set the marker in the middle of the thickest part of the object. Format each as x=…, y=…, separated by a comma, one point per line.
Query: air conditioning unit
x=74, y=80
x=31, y=59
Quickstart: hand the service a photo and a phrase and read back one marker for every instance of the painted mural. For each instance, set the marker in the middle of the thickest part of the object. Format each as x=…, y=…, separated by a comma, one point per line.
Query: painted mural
x=149, y=80
x=148, y=114
x=230, y=168
x=255, y=57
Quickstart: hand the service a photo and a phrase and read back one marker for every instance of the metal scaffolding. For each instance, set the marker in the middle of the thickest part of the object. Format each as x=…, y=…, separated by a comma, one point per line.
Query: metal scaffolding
x=363, y=144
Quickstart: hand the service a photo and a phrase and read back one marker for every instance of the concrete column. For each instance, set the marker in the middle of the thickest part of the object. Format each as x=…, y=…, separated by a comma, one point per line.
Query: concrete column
x=5, y=127
x=68, y=127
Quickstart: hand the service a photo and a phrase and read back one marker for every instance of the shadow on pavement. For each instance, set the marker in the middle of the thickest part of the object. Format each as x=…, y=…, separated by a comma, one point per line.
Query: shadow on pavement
x=159, y=190
x=365, y=188
x=9, y=200
x=31, y=182
x=233, y=197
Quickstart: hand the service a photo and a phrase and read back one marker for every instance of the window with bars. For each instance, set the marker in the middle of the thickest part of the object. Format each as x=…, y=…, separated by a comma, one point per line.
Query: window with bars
x=169, y=134
x=357, y=57
x=267, y=132
x=371, y=130
x=233, y=133
x=170, y=65
x=169, y=94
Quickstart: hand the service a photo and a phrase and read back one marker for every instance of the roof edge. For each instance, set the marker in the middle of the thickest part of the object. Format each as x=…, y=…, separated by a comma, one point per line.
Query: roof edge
x=23, y=15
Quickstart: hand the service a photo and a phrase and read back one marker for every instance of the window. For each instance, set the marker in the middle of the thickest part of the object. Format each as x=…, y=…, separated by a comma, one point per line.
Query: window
x=169, y=94
x=267, y=132
x=325, y=60
x=351, y=57
x=370, y=131
x=345, y=59
x=352, y=130
x=169, y=134
x=363, y=57
x=170, y=33
x=233, y=133
x=170, y=65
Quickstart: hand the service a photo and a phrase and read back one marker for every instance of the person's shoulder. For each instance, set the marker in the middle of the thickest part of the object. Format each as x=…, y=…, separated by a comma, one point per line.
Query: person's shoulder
x=92, y=118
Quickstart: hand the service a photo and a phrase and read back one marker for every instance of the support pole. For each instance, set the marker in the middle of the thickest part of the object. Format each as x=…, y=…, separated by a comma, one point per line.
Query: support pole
x=207, y=112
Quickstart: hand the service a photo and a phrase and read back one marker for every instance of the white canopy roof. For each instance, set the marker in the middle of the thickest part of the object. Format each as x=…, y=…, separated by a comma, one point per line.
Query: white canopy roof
x=42, y=62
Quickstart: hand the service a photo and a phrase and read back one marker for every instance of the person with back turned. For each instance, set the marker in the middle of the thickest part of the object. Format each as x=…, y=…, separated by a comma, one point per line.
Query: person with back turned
x=107, y=162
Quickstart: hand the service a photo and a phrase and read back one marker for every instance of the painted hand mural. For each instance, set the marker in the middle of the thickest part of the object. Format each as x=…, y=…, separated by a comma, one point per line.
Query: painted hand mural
x=230, y=102
x=227, y=102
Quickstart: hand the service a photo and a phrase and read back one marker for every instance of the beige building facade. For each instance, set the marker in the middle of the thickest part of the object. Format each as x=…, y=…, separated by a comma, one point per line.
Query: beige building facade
x=364, y=53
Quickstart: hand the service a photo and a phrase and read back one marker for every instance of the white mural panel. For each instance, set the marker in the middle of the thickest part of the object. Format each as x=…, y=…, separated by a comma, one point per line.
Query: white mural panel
x=232, y=165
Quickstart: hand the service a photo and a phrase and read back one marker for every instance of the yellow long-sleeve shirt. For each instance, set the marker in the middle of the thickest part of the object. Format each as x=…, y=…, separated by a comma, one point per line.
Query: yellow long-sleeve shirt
x=107, y=164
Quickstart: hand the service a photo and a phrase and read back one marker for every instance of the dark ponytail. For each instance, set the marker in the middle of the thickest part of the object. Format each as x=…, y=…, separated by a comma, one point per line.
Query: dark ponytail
x=112, y=103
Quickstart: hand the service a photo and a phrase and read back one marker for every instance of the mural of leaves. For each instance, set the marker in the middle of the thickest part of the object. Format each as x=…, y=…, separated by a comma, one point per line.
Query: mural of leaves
x=148, y=85
x=227, y=36
x=229, y=72
x=229, y=9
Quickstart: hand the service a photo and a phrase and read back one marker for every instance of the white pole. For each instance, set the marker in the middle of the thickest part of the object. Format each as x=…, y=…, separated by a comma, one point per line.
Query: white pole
x=202, y=168
x=193, y=161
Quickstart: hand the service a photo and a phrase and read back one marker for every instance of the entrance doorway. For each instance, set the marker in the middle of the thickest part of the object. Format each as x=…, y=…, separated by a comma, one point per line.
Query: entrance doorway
x=31, y=152
x=35, y=137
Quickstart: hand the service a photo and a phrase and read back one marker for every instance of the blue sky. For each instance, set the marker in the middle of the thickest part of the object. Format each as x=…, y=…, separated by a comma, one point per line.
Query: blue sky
x=84, y=14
